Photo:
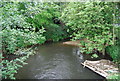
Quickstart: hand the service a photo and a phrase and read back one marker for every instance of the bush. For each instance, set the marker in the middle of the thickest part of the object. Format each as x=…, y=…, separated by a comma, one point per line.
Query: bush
x=13, y=39
x=16, y=34
x=9, y=68
x=47, y=15
x=114, y=77
x=114, y=53
x=93, y=21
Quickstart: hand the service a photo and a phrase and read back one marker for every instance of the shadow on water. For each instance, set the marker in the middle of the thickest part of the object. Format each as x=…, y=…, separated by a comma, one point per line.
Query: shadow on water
x=56, y=61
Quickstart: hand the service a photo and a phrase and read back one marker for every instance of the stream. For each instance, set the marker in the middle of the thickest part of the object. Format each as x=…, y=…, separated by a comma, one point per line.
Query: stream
x=56, y=61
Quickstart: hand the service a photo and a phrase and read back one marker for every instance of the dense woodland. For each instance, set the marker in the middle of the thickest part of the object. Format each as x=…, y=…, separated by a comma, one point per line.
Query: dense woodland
x=25, y=24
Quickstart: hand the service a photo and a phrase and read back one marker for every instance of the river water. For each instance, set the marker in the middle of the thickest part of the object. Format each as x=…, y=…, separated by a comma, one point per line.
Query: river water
x=56, y=61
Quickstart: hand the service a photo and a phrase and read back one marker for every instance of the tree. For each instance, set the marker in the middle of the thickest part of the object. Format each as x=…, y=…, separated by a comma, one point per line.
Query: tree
x=93, y=21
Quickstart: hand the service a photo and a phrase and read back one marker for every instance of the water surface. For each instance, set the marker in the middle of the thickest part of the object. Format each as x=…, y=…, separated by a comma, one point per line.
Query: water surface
x=56, y=61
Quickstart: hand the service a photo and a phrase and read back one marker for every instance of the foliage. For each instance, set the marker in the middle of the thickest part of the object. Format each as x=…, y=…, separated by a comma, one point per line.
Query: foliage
x=94, y=56
x=114, y=77
x=24, y=24
x=0, y=64
x=29, y=23
x=93, y=21
x=46, y=15
x=11, y=17
x=114, y=53
x=16, y=34
x=9, y=68
x=14, y=39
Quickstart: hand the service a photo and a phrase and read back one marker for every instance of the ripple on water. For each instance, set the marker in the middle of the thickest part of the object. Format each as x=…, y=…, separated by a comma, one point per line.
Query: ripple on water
x=56, y=61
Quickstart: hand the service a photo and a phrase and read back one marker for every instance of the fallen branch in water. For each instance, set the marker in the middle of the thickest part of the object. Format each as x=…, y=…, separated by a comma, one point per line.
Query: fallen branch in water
x=103, y=67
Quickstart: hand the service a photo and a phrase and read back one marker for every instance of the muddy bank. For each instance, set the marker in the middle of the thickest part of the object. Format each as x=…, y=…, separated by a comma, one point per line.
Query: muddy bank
x=75, y=42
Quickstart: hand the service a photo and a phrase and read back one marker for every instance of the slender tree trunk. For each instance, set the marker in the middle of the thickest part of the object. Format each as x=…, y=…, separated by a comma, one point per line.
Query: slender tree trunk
x=103, y=51
x=114, y=24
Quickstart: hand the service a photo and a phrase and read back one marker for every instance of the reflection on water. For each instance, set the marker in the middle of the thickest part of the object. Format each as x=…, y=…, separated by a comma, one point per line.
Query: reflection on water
x=56, y=61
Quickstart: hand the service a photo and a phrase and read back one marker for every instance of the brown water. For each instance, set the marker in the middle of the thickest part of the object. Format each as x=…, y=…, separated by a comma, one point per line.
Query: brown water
x=56, y=61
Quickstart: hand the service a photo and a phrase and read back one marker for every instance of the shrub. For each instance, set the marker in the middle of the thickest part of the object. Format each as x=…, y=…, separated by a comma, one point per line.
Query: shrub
x=16, y=34
x=9, y=68
x=114, y=53
x=13, y=39
x=46, y=15
x=93, y=21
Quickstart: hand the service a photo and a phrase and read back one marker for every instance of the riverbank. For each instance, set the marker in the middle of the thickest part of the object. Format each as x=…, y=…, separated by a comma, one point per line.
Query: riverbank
x=75, y=42
x=108, y=67
x=13, y=62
